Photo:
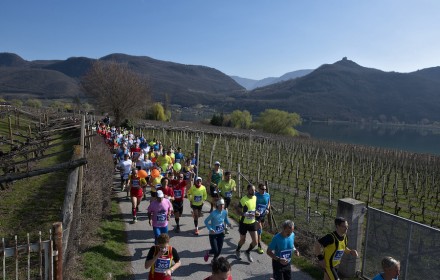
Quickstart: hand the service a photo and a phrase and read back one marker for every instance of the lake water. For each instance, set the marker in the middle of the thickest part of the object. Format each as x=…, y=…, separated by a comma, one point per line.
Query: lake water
x=408, y=138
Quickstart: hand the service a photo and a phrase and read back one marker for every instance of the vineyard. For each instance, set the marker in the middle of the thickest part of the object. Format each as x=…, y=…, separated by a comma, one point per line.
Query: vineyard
x=306, y=177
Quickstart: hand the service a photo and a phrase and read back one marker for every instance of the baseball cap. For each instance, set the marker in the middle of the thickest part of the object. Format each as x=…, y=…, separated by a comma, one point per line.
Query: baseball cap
x=217, y=163
x=159, y=193
x=220, y=202
x=199, y=178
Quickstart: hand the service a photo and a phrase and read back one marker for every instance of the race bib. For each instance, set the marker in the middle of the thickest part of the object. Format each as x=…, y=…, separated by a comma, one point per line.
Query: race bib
x=161, y=217
x=197, y=198
x=261, y=208
x=250, y=214
x=338, y=255
x=136, y=183
x=286, y=254
x=219, y=228
x=228, y=194
x=162, y=265
x=177, y=193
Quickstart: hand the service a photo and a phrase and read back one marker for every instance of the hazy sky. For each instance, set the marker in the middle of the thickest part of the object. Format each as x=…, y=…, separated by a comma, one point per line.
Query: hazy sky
x=249, y=38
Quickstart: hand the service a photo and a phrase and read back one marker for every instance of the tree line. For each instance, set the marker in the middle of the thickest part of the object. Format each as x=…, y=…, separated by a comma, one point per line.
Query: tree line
x=270, y=121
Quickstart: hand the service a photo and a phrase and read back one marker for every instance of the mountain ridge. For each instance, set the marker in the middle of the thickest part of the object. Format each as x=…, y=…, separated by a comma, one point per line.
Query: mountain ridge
x=343, y=90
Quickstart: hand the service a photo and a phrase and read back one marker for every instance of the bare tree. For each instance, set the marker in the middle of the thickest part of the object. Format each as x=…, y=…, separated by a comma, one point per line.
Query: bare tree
x=117, y=89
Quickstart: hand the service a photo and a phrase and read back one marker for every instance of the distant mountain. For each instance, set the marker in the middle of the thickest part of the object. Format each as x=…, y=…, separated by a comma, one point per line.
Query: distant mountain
x=185, y=85
x=347, y=91
x=343, y=90
x=251, y=84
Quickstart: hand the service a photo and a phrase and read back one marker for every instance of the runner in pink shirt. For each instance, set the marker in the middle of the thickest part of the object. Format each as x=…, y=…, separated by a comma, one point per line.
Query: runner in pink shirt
x=159, y=211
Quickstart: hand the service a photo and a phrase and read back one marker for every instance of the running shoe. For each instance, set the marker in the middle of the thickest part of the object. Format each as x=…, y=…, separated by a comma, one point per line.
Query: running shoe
x=135, y=219
x=238, y=255
x=260, y=251
x=177, y=229
x=249, y=257
x=196, y=232
x=206, y=257
x=226, y=231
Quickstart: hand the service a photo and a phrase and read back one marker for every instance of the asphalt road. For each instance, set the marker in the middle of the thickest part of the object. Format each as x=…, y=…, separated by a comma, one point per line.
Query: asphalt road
x=192, y=248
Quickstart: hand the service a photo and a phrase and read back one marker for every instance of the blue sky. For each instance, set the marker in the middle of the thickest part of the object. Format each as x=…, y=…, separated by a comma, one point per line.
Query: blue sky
x=249, y=38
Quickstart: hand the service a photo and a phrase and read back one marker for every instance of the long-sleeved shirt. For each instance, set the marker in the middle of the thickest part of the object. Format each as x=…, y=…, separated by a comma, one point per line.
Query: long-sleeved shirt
x=216, y=221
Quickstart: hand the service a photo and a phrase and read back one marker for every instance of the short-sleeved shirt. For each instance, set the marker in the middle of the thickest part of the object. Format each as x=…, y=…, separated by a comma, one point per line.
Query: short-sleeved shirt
x=179, y=189
x=378, y=277
x=249, y=206
x=227, y=187
x=160, y=211
x=262, y=202
x=197, y=195
x=283, y=247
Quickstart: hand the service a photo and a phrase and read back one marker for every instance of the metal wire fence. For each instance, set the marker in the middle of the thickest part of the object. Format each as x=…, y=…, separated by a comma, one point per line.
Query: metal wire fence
x=417, y=246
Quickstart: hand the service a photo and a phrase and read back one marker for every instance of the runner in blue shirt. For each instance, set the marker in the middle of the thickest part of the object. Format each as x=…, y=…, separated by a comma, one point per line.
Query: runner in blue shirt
x=215, y=223
x=263, y=206
x=281, y=249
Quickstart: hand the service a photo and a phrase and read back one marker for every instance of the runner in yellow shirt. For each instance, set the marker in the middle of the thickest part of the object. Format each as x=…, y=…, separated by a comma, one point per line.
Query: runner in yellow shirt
x=197, y=196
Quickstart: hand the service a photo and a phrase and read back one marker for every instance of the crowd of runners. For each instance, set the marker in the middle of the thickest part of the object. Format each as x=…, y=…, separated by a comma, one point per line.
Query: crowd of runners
x=148, y=166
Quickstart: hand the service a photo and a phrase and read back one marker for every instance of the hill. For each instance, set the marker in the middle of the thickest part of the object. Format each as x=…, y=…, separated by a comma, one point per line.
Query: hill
x=343, y=90
x=347, y=91
x=185, y=85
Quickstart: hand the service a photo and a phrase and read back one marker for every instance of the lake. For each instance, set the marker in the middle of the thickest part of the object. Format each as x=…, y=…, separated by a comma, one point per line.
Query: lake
x=408, y=138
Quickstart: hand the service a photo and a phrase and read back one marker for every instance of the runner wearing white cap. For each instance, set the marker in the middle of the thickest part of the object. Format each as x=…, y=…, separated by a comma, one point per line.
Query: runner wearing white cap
x=197, y=196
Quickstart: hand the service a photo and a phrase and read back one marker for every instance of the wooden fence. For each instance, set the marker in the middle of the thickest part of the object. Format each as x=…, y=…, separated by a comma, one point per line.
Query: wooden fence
x=42, y=259
x=45, y=259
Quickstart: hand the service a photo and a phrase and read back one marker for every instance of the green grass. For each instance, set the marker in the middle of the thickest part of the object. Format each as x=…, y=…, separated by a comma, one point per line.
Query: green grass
x=308, y=267
x=109, y=257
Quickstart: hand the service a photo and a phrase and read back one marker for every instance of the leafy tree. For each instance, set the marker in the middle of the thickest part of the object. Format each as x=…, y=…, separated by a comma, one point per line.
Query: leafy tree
x=157, y=112
x=117, y=90
x=278, y=122
x=34, y=103
x=217, y=119
x=241, y=119
x=56, y=104
x=17, y=102
x=2, y=100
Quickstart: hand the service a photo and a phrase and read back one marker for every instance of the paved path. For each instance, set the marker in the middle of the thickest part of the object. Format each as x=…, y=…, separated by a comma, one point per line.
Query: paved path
x=191, y=248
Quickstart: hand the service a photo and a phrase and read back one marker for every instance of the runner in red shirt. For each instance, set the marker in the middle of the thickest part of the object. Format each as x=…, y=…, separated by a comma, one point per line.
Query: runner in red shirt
x=179, y=187
x=136, y=193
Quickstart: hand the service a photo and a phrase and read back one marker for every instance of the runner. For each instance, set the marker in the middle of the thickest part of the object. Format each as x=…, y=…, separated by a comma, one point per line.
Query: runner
x=215, y=176
x=197, y=196
x=247, y=223
x=330, y=248
x=280, y=250
x=179, y=188
x=167, y=191
x=125, y=167
x=221, y=270
x=391, y=269
x=164, y=162
x=226, y=188
x=263, y=206
x=160, y=258
x=188, y=172
x=159, y=211
x=178, y=155
x=136, y=193
x=215, y=223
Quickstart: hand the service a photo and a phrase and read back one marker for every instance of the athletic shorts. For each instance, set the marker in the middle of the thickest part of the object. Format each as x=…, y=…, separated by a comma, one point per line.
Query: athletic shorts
x=178, y=206
x=158, y=230
x=137, y=192
x=244, y=228
x=197, y=207
x=212, y=192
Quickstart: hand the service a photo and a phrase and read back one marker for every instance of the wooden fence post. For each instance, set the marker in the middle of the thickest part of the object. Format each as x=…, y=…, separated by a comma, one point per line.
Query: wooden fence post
x=58, y=234
x=10, y=130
